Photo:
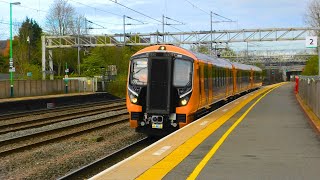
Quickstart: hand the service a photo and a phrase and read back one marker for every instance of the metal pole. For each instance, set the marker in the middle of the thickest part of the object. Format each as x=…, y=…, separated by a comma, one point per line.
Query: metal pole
x=43, y=40
x=211, y=32
x=86, y=25
x=163, y=28
x=79, y=46
x=66, y=80
x=12, y=69
x=319, y=59
x=28, y=41
x=11, y=59
x=79, y=58
x=124, y=29
x=50, y=60
x=247, y=50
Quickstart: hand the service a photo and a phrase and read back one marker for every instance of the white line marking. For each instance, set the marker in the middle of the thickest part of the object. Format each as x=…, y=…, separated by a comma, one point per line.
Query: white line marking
x=204, y=123
x=161, y=151
x=225, y=110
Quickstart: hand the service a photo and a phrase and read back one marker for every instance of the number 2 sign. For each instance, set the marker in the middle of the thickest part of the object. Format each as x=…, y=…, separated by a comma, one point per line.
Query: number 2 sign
x=311, y=41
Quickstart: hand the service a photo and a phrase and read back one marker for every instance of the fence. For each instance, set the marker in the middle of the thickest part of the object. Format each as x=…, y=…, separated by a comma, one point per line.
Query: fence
x=309, y=91
x=23, y=88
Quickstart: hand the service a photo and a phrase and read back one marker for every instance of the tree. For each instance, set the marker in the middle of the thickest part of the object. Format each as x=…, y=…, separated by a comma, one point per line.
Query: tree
x=3, y=64
x=311, y=68
x=62, y=20
x=228, y=52
x=201, y=49
x=313, y=13
x=59, y=19
x=30, y=38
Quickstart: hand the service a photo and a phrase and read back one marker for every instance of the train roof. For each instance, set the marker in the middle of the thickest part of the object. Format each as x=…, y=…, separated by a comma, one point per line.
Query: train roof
x=215, y=60
x=220, y=62
x=255, y=68
x=242, y=66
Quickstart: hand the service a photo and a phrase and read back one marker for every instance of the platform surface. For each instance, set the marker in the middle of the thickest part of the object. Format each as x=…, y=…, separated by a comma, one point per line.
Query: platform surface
x=273, y=141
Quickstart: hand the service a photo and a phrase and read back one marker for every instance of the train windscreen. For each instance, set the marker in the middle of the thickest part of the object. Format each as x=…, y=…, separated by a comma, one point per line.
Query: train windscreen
x=139, y=72
x=182, y=73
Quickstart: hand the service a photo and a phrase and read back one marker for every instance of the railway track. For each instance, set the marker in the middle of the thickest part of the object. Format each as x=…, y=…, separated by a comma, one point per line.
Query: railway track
x=4, y=117
x=59, y=131
x=11, y=125
x=103, y=163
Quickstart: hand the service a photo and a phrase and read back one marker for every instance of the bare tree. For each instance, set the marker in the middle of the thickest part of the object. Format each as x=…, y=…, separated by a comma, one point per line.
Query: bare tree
x=59, y=19
x=312, y=16
x=63, y=20
x=79, y=25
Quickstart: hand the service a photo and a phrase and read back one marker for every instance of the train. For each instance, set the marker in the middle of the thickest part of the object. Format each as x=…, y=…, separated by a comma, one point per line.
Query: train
x=168, y=86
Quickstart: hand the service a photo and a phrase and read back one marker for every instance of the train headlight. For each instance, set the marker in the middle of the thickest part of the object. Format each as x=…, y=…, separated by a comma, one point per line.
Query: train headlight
x=184, y=101
x=133, y=99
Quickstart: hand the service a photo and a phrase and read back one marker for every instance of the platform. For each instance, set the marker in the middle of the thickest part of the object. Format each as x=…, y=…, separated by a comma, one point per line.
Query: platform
x=263, y=135
x=19, y=104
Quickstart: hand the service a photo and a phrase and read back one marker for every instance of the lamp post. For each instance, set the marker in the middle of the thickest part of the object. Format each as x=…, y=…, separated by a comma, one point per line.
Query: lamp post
x=12, y=69
x=28, y=41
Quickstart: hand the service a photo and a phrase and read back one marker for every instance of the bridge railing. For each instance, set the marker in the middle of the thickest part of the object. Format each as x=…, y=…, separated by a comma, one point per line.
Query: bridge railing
x=309, y=91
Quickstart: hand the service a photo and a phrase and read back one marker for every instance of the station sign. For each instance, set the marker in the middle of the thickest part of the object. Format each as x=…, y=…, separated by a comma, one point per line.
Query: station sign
x=311, y=42
x=13, y=69
x=66, y=71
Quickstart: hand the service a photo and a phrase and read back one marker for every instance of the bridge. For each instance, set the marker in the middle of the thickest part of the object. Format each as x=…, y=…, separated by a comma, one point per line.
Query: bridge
x=210, y=38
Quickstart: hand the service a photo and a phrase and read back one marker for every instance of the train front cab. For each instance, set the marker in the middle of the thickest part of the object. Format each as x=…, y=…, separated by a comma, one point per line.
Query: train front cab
x=160, y=96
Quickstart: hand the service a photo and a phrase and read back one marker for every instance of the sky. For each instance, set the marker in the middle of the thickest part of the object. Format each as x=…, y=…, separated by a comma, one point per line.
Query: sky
x=194, y=14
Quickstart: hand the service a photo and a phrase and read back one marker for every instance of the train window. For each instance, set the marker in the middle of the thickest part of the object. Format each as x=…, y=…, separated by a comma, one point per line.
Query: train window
x=215, y=77
x=206, y=77
x=218, y=77
x=224, y=77
x=182, y=73
x=231, y=77
x=139, y=72
x=212, y=76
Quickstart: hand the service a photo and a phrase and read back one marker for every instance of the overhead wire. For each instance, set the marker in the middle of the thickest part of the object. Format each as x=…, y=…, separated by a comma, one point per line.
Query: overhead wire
x=197, y=7
x=115, y=14
x=181, y=23
x=208, y=13
x=116, y=2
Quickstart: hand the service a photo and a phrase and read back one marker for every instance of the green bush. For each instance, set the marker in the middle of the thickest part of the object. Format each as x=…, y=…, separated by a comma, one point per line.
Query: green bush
x=311, y=67
x=118, y=87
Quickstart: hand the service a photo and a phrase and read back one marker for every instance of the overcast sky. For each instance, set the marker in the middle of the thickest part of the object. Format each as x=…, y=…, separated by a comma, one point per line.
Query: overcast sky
x=194, y=13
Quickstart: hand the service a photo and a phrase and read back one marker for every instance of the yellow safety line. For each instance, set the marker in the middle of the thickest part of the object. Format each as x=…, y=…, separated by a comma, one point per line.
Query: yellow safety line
x=163, y=167
x=214, y=149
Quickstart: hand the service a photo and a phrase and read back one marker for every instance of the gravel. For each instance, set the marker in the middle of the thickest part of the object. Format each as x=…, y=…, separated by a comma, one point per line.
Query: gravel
x=55, y=113
x=57, y=159
x=58, y=125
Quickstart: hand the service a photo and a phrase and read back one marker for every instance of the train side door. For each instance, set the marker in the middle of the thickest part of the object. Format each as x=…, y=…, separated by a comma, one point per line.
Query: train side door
x=252, y=78
x=200, y=72
x=206, y=83
x=210, y=83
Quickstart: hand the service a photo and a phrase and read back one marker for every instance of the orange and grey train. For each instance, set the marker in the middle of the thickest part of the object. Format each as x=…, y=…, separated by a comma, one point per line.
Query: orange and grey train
x=168, y=86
